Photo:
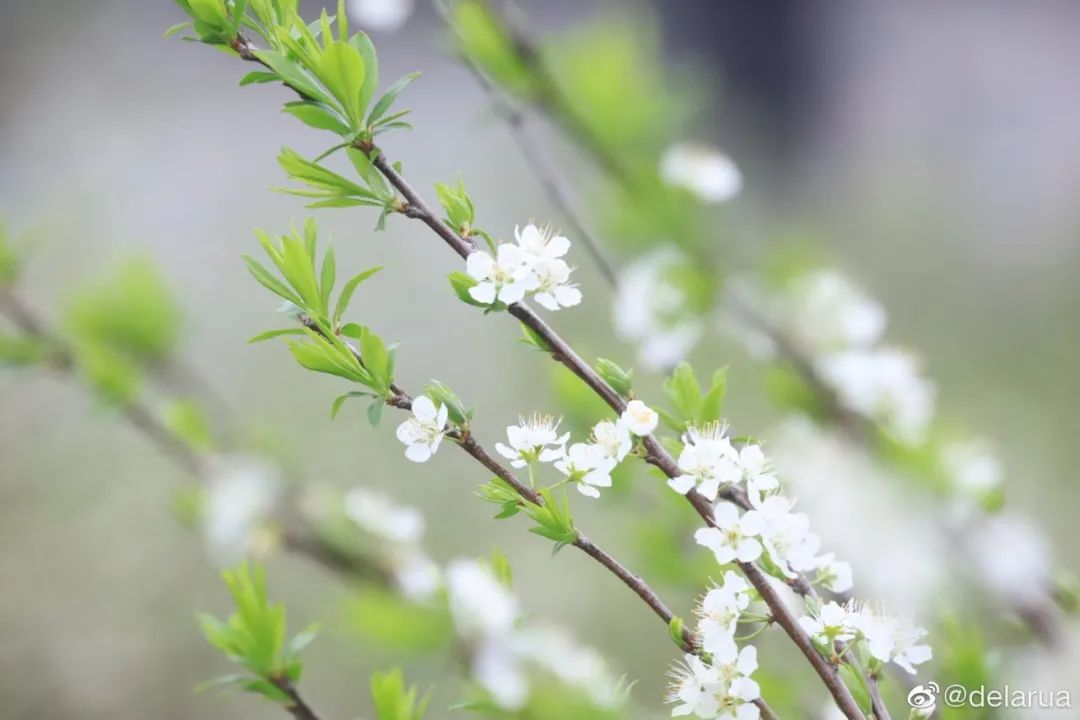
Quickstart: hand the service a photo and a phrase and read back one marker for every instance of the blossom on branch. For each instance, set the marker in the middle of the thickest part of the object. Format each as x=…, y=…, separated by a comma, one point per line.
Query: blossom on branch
x=423, y=432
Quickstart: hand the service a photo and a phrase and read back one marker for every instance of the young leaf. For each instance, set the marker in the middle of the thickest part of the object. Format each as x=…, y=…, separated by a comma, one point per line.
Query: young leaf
x=620, y=380
x=341, y=70
x=317, y=116
x=383, y=103
x=349, y=289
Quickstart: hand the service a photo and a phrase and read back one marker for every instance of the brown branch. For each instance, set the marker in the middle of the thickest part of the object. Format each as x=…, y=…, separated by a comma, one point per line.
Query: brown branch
x=296, y=705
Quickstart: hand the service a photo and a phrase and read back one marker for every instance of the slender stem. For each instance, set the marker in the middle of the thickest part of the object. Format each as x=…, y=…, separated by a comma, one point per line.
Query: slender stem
x=296, y=706
x=556, y=192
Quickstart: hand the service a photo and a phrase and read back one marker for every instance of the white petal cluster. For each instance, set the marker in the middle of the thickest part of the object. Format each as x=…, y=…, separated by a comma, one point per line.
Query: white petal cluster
x=723, y=689
x=504, y=648
x=423, y=432
x=401, y=530
x=586, y=464
x=706, y=172
x=708, y=462
x=241, y=495
x=533, y=264
x=886, y=638
x=652, y=311
x=719, y=614
x=533, y=439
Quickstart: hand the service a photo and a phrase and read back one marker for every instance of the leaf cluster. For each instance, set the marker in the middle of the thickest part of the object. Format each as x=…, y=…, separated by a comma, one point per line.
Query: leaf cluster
x=254, y=637
x=690, y=404
x=309, y=295
x=553, y=517
x=393, y=700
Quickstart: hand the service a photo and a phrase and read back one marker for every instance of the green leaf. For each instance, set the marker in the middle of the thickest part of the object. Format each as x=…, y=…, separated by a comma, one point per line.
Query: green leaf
x=440, y=394
x=258, y=77
x=327, y=276
x=371, y=175
x=534, y=340
x=340, y=400
x=376, y=359
x=270, y=334
x=374, y=412
x=461, y=283
x=620, y=380
x=712, y=404
x=294, y=76
x=341, y=70
x=271, y=283
x=317, y=116
x=348, y=290
x=383, y=103
x=684, y=392
x=364, y=46
x=393, y=701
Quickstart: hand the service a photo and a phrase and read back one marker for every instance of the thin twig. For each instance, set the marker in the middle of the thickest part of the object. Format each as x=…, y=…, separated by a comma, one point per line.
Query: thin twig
x=302, y=539
x=539, y=166
x=296, y=706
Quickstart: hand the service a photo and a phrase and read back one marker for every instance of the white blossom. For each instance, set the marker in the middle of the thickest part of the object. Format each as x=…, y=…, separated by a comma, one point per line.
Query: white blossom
x=707, y=462
x=385, y=15
x=423, y=432
x=651, y=310
x=733, y=537
x=639, y=418
x=507, y=277
x=379, y=515
x=834, y=575
x=588, y=466
x=706, y=172
x=696, y=688
x=755, y=471
x=613, y=439
x=241, y=495
x=719, y=614
x=832, y=624
x=540, y=244
x=533, y=439
x=553, y=289
x=479, y=603
x=889, y=638
x=787, y=537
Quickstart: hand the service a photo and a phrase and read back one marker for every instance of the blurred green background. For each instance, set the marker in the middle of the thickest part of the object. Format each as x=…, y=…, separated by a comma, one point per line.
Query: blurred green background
x=932, y=149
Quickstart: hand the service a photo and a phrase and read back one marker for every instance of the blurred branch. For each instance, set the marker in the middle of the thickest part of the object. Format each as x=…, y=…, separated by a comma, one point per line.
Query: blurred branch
x=298, y=535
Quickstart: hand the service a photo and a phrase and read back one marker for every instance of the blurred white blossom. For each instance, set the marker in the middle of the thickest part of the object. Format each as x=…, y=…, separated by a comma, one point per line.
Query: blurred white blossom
x=706, y=172
x=241, y=495
x=639, y=418
x=381, y=516
x=651, y=311
x=386, y=15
